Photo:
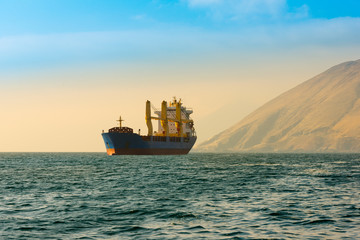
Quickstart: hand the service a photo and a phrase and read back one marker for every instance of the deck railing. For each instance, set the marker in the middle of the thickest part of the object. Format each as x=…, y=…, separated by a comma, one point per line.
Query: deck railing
x=163, y=139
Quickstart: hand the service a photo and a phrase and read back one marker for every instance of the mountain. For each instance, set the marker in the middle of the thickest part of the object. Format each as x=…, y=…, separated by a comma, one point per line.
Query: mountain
x=319, y=115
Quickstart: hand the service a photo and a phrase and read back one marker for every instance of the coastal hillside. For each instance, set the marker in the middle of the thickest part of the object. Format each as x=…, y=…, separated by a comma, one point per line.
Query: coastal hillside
x=319, y=115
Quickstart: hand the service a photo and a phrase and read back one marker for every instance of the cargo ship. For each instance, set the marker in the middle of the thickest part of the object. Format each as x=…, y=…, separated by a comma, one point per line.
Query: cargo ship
x=175, y=135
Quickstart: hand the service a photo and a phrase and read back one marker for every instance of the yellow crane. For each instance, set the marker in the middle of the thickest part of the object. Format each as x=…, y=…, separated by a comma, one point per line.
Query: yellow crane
x=164, y=118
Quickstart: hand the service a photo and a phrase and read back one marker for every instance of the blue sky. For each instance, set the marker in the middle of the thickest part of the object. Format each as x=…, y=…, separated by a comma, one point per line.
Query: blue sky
x=40, y=33
x=63, y=61
x=20, y=17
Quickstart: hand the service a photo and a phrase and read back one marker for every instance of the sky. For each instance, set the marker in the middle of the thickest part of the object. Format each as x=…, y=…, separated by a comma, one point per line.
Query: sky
x=68, y=68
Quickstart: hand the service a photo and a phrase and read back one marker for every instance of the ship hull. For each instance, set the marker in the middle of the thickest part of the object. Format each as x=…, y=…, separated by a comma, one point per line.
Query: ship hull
x=134, y=144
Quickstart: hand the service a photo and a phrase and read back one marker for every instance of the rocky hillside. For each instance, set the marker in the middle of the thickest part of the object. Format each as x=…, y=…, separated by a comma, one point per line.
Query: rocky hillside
x=319, y=115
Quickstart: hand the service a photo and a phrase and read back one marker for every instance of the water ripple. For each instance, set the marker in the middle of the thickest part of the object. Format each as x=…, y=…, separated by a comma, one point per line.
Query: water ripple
x=196, y=196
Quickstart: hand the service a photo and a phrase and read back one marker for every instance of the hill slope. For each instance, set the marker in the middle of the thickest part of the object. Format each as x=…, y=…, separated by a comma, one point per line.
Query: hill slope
x=319, y=115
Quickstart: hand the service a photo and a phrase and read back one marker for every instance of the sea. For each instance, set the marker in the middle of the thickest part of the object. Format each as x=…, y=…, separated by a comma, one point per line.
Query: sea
x=194, y=196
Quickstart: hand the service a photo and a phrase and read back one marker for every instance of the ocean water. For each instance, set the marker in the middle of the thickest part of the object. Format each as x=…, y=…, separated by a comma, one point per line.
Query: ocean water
x=196, y=196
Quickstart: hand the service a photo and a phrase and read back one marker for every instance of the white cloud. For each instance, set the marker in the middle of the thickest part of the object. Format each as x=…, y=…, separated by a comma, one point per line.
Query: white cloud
x=176, y=43
x=248, y=9
x=196, y=3
x=271, y=7
x=300, y=13
x=139, y=17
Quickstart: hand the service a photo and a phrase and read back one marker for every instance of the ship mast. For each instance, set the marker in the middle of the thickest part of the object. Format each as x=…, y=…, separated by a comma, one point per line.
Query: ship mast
x=120, y=120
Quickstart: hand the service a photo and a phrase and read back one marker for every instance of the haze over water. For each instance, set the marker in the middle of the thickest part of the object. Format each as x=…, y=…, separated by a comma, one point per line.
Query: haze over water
x=209, y=196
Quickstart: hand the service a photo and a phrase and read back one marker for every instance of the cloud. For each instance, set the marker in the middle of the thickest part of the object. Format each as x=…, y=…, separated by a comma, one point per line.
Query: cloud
x=165, y=44
x=300, y=13
x=248, y=10
x=196, y=3
x=139, y=17
x=40, y=50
